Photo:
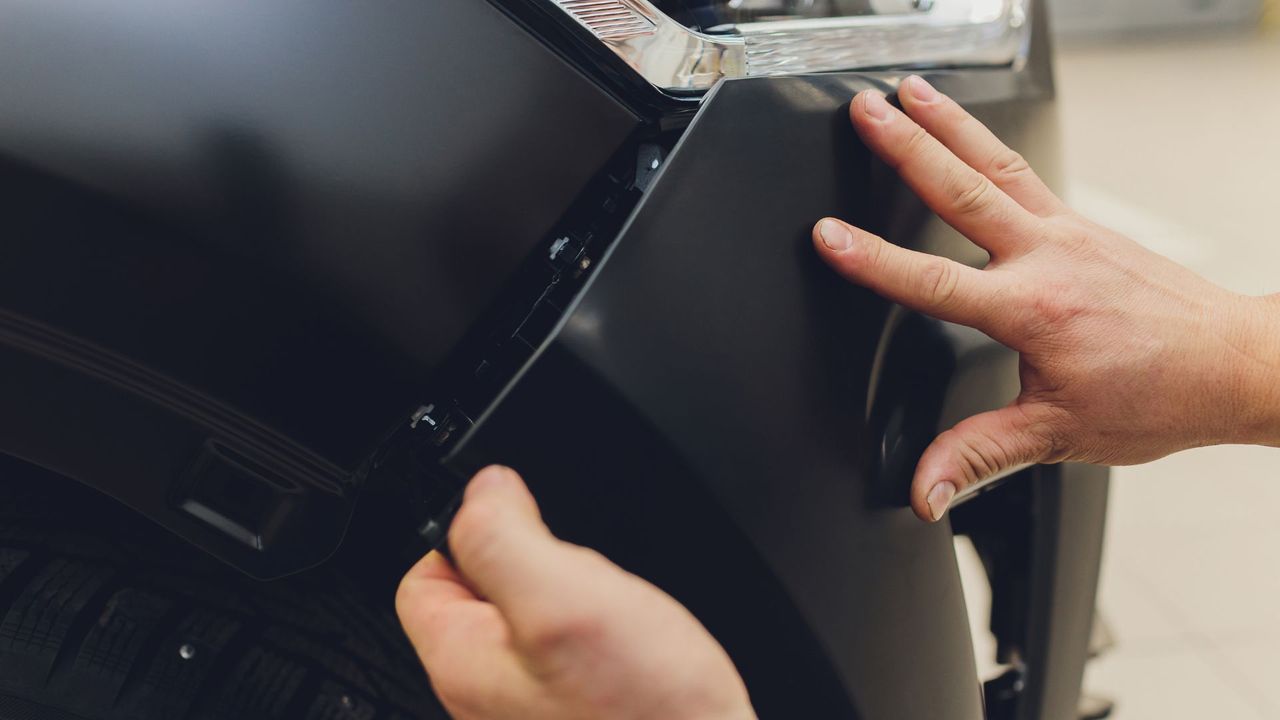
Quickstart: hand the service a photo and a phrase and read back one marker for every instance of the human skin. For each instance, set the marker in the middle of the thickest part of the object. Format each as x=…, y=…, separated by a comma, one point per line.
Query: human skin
x=1125, y=357
x=528, y=627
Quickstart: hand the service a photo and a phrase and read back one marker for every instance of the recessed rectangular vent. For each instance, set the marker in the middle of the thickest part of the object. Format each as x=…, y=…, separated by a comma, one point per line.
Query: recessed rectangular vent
x=609, y=19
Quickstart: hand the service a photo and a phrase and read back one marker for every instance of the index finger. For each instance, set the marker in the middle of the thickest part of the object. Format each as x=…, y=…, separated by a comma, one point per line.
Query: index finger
x=463, y=642
x=963, y=197
x=936, y=286
x=431, y=589
x=429, y=596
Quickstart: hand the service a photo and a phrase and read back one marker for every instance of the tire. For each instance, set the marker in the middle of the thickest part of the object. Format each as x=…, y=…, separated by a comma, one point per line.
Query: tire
x=105, y=615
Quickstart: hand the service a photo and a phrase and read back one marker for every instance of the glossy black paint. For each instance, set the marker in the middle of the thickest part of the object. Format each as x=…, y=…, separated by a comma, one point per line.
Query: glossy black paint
x=239, y=238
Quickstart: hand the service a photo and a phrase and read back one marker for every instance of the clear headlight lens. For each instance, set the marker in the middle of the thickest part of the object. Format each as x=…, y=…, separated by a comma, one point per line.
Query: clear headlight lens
x=685, y=46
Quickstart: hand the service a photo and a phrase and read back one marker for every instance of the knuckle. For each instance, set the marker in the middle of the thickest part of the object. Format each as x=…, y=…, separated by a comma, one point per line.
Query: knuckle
x=1045, y=313
x=1052, y=309
x=1041, y=232
x=986, y=458
x=938, y=282
x=916, y=143
x=1077, y=242
x=974, y=464
x=1009, y=165
x=970, y=193
x=873, y=254
x=1057, y=448
x=1049, y=429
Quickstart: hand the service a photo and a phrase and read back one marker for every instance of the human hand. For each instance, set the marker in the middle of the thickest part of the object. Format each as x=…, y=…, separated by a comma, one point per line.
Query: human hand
x=1126, y=356
x=529, y=627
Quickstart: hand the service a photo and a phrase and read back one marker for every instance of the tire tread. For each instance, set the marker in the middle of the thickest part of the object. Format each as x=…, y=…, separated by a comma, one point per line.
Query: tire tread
x=97, y=606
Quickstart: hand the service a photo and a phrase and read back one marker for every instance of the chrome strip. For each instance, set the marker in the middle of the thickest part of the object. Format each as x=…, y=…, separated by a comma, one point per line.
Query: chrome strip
x=609, y=19
x=664, y=52
x=679, y=60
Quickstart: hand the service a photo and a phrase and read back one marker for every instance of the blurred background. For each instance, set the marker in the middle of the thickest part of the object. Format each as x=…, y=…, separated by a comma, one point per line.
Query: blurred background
x=1170, y=114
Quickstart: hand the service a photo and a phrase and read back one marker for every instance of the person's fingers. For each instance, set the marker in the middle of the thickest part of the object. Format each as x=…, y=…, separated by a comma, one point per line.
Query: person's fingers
x=430, y=594
x=979, y=448
x=463, y=642
x=498, y=538
x=960, y=195
x=466, y=651
x=434, y=577
x=977, y=146
x=933, y=285
x=507, y=554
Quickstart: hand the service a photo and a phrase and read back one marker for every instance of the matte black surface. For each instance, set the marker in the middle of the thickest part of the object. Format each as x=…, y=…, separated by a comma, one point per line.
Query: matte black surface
x=1071, y=506
x=714, y=338
x=263, y=224
x=240, y=238
x=723, y=415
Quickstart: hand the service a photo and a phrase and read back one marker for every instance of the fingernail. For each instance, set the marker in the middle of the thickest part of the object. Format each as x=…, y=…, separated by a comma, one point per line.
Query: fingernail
x=920, y=89
x=835, y=236
x=939, y=498
x=875, y=106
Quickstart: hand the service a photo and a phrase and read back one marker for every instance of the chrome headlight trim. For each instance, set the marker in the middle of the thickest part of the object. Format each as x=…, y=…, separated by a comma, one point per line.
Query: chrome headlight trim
x=972, y=32
x=667, y=54
x=682, y=61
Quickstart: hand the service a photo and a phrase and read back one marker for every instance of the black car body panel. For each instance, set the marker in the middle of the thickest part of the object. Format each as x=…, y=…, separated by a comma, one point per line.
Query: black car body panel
x=248, y=245
x=239, y=238
x=719, y=407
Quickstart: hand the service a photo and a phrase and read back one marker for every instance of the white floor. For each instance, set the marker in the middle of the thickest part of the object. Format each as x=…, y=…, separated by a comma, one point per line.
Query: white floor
x=1178, y=143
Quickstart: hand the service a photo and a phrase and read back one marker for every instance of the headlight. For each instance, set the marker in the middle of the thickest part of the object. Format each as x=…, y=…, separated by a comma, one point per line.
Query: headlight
x=685, y=46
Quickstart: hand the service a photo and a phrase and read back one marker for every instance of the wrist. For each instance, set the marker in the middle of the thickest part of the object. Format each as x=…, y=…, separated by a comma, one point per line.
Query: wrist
x=1254, y=365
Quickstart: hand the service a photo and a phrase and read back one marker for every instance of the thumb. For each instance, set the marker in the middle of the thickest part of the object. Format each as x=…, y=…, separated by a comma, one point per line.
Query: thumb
x=509, y=557
x=498, y=539
x=980, y=448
